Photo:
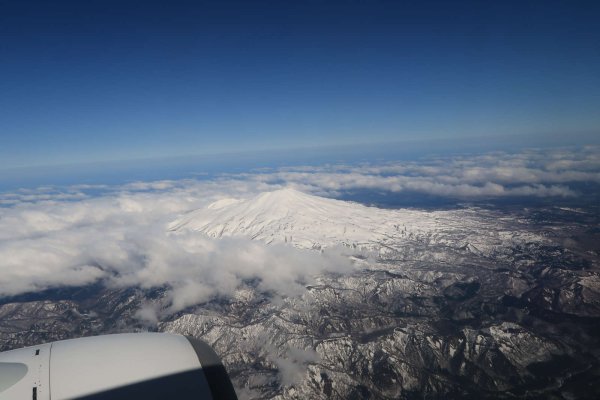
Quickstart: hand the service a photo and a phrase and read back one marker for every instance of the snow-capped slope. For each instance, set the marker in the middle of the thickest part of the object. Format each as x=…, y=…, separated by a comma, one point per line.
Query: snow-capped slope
x=288, y=215
x=308, y=221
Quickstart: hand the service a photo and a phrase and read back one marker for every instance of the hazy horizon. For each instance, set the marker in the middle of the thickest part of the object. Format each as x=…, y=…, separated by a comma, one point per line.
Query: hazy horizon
x=97, y=81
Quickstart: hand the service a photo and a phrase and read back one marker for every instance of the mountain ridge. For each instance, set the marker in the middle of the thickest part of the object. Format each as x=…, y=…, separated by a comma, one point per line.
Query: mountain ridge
x=286, y=215
x=312, y=222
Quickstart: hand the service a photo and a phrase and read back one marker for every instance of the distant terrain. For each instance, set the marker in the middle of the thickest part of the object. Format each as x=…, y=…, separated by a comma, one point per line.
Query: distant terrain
x=470, y=302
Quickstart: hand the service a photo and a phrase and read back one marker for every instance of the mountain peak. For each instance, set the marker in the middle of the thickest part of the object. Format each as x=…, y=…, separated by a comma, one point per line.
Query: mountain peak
x=286, y=191
x=312, y=222
x=287, y=194
x=287, y=215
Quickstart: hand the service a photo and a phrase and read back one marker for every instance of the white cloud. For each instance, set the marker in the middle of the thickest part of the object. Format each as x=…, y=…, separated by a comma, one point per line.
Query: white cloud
x=51, y=238
x=122, y=240
x=292, y=368
x=532, y=173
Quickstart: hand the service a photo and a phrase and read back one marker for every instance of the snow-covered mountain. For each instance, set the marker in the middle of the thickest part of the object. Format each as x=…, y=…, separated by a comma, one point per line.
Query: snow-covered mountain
x=313, y=222
x=288, y=215
x=469, y=303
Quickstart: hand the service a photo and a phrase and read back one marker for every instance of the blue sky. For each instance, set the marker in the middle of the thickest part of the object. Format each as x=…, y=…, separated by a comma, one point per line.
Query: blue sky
x=93, y=81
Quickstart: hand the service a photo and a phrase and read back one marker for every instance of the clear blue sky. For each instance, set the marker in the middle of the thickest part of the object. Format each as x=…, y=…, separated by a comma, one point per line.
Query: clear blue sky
x=101, y=80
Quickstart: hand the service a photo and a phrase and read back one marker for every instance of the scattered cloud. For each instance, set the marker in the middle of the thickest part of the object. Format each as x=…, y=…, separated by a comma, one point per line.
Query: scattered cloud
x=293, y=366
x=534, y=173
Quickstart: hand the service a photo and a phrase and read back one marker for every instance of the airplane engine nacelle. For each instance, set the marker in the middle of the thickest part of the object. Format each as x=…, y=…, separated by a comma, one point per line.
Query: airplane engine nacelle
x=144, y=366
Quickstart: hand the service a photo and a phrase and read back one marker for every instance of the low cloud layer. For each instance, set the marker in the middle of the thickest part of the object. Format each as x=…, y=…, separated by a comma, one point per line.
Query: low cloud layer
x=79, y=235
x=122, y=241
x=532, y=173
